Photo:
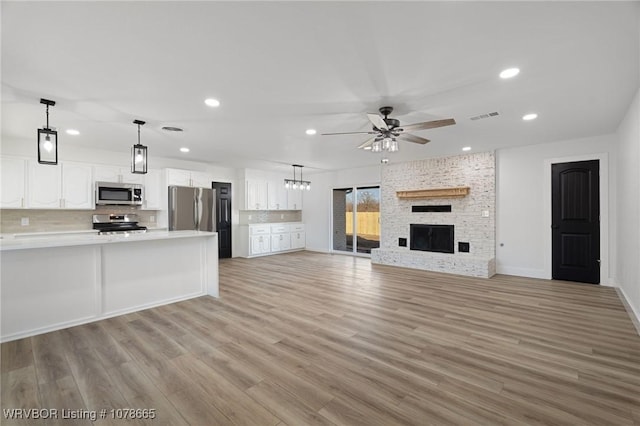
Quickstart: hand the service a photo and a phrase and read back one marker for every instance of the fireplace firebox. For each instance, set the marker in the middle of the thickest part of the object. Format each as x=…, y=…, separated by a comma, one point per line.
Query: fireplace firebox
x=437, y=238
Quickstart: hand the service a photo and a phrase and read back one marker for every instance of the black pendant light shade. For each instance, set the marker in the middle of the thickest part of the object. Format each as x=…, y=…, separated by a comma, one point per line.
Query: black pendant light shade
x=47, y=140
x=139, y=154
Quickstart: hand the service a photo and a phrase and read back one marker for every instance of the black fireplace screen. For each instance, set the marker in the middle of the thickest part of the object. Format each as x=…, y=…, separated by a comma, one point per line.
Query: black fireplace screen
x=437, y=238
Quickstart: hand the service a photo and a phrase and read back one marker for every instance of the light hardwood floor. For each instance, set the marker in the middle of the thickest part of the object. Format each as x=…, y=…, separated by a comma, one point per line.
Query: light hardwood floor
x=314, y=339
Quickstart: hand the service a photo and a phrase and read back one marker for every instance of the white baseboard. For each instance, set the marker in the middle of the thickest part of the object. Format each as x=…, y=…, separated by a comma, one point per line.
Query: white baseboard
x=633, y=314
x=522, y=272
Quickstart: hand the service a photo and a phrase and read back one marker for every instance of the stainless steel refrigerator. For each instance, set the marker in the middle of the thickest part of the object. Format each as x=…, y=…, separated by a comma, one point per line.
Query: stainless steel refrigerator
x=191, y=208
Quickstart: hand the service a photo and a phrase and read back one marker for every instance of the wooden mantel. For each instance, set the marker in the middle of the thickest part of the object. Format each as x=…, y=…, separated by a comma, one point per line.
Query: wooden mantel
x=457, y=192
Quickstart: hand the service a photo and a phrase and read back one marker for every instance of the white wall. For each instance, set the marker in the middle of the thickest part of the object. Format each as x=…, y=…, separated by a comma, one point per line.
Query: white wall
x=628, y=215
x=316, y=212
x=523, y=215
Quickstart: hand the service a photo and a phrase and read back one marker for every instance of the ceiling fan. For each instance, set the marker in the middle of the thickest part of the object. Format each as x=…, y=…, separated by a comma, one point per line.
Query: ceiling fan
x=386, y=130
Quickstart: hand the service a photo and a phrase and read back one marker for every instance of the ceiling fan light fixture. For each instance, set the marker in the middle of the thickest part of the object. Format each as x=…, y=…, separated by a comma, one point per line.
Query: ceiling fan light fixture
x=376, y=146
x=393, y=146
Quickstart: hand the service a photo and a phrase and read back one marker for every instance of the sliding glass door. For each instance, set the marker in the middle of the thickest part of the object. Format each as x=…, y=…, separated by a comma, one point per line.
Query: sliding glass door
x=356, y=219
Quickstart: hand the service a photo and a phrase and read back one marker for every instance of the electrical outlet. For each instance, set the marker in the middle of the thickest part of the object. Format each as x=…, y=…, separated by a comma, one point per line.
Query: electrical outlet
x=24, y=221
x=485, y=213
x=152, y=219
x=249, y=217
x=281, y=216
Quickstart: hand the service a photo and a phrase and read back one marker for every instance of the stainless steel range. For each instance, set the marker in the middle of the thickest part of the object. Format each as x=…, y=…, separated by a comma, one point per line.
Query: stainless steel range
x=113, y=224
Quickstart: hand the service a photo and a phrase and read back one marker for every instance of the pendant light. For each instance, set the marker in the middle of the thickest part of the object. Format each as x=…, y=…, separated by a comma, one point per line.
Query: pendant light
x=139, y=154
x=47, y=140
x=297, y=183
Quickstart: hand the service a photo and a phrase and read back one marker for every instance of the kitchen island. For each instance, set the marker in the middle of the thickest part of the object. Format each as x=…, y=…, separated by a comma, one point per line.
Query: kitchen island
x=51, y=282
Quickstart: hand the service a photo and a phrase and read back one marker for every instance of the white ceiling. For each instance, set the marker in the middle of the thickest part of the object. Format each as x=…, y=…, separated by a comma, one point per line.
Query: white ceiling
x=279, y=68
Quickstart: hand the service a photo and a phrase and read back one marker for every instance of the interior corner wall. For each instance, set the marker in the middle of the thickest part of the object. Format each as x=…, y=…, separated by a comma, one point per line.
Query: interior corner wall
x=628, y=266
x=523, y=211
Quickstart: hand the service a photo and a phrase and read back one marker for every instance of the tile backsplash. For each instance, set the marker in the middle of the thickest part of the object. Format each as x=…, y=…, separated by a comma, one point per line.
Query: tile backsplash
x=64, y=220
x=269, y=216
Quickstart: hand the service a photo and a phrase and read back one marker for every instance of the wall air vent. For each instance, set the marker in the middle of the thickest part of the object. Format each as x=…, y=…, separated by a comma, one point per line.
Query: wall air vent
x=487, y=115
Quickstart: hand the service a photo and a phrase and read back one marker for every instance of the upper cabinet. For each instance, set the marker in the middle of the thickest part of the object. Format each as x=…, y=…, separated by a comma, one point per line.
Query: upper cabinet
x=276, y=195
x=12, y=186
x=103, y=173
x=153, y=195
x=63, y=186
x=77, y=186
x=271, y=195
x=257, y=195
x=181, y=177
x=294, y=199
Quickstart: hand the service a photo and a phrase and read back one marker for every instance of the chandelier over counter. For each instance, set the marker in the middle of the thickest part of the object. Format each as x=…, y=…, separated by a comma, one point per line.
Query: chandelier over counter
x=297, y=183
x=139, y=153
x=47, y=140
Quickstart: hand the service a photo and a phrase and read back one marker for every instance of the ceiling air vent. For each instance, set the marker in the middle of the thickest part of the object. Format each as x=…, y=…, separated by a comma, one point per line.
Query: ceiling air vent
x=487, y=115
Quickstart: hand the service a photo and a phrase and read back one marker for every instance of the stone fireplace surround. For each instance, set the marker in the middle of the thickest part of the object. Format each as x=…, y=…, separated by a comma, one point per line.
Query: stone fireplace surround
x=473, y=215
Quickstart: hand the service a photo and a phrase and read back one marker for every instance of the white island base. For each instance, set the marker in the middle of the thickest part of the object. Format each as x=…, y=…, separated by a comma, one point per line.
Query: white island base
x=49, y=284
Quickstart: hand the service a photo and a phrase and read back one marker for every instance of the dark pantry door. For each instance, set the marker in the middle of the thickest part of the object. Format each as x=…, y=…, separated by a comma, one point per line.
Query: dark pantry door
x=223, y=218
x=575, y=229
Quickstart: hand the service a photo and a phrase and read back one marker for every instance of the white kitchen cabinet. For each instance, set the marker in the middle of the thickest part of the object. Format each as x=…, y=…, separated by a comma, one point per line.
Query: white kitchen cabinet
x=201, y=180
x=117, y=174
x=270, y=238
x=77, y=186
x=294, y=199
x=297, y=236
x=260, y=244
x=61, y=186
x=153, y=190
x=45, y=186
x=181, y=177
x=280, y=237
x=276, y=195
x=13, y=189
x=256, y=195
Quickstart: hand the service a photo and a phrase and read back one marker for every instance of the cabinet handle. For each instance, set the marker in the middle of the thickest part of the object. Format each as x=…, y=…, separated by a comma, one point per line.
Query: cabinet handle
x=21, y=202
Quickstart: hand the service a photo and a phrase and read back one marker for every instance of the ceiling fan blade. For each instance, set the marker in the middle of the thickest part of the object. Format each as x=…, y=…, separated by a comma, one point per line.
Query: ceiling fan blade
x=367, y=143
x=377, y=121
x=350, y=133
x=412, y=138
x=428, y=125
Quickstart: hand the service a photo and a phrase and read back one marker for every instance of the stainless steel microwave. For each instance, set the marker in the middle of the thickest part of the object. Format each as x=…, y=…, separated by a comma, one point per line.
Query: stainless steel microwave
x=109, y=193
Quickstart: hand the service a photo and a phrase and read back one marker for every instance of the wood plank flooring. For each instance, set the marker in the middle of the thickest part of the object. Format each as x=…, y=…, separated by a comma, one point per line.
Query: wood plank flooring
x=314, y=339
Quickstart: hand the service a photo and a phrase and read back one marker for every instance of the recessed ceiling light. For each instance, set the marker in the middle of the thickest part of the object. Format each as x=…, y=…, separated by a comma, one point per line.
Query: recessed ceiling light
x=466, y=148
x=528, y=117
x=184, y=149
x=509, y=73
x=311, y=131
x=212, y=102
x=73, y=132
x=172, y=129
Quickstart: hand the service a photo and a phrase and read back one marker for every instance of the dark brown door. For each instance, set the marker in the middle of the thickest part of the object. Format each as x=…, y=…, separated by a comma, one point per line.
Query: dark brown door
x=575, y=233
x=223, y=218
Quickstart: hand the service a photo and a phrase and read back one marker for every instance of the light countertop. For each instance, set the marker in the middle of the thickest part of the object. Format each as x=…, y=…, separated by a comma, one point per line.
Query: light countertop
x=50, y=240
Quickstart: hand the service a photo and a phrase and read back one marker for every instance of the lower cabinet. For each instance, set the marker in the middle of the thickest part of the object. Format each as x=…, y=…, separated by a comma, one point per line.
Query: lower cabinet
x=280, y=238
x=264, y=239
x=259, y=245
